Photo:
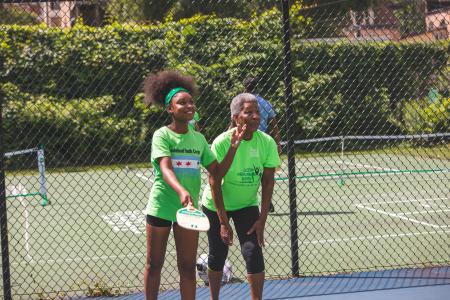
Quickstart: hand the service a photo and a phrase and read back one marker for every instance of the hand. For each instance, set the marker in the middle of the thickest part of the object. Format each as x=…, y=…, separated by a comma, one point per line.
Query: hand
x=258, y=227
x=186, y=199
x=238, y=135
x=226, y=233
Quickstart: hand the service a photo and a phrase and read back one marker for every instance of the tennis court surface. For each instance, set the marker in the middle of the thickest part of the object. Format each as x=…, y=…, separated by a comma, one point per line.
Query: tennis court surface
x=356, y=212
x=426, y=284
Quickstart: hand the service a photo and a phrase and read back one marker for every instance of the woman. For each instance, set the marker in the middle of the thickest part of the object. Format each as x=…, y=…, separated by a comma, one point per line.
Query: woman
x=248, y=158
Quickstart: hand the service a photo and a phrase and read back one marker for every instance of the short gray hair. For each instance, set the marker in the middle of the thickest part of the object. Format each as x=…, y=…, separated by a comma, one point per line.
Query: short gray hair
x=238, y=102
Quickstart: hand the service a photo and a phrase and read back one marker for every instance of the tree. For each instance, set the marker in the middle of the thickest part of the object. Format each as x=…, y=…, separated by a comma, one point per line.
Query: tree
x=157, y=10
x=138, y=10
x=16, y=15
x=124, y=10
x=328, y=18
x=411, y=16
x=238, y=8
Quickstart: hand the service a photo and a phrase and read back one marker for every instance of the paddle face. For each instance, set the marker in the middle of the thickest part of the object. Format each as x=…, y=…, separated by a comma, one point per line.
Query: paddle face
x=193, y=219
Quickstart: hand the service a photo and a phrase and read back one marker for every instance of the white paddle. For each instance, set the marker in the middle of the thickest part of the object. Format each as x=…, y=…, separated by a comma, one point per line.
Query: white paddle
x=193, y=219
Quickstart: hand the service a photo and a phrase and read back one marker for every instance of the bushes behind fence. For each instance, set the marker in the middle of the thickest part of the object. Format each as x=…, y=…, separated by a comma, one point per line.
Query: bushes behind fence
x=77, y=90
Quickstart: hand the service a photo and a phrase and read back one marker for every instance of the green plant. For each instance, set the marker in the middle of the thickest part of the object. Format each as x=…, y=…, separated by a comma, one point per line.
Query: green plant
x=80, y=88
x=100, y=288
x=424, y=117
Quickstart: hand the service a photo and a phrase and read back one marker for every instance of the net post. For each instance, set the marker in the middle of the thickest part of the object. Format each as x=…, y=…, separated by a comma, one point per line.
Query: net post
x=342, y=164
x=42, y=179
x=287, y=72
x=3, y=216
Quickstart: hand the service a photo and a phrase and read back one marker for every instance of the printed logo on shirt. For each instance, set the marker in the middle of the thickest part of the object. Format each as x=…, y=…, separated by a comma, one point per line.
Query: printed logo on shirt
x=184, y=150
x=257, y=171
x=186, y=164
x=253, y=152
x=250, y=175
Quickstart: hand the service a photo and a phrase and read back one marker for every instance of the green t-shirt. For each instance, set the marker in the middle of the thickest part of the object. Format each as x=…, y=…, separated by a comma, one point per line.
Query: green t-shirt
x=240, y=184
x=187, y=151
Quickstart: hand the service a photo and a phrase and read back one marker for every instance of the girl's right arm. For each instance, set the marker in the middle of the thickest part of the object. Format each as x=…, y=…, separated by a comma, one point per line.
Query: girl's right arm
x=165, y=163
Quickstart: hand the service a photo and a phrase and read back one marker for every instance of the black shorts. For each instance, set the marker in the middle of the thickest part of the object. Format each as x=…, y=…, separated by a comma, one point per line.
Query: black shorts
x=243, y=220
x=158, y=222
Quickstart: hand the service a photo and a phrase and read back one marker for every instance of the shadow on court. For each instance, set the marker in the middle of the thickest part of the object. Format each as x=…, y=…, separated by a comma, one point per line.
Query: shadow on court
x=418, y=284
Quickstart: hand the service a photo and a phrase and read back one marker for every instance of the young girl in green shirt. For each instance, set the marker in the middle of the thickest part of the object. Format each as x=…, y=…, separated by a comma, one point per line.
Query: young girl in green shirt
x=177, y=153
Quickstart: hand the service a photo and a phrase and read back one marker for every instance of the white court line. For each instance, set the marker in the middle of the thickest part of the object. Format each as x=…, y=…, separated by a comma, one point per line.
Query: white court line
x=133, y=221
x=348, y=176
x=324, y=241
x=328, y=163
x=20, y=189
x=376, y=237
x=322, y=168
x=142, y=176
x=395, y=215
x=361, y=238
x=405, y=201
x=91, y=258
x=350, y=163
x=352, y=196
x=81, y=259
x=424, y=212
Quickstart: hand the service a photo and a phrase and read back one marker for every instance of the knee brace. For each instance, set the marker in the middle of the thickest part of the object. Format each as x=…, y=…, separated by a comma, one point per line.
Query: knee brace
x=216, y=260
x=253, y=257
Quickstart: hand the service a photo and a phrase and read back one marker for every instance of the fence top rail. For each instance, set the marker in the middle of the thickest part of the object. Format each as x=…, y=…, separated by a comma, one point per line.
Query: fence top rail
x=19, y=152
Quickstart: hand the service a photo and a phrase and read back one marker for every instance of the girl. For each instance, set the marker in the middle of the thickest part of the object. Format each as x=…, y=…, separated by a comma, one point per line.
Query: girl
x=177, y=153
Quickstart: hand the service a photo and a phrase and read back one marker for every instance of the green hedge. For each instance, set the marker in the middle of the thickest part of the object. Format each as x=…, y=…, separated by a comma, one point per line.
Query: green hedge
x=426, y=116
x=77, y=90
x=360, y=88
x=75, y=132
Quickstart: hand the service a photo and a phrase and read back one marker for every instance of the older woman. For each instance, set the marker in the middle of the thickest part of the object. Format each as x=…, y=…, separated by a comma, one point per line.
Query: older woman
x=248, y=158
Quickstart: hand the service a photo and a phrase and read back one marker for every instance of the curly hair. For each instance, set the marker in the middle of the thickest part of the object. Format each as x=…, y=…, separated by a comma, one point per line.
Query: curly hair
x=157, y=85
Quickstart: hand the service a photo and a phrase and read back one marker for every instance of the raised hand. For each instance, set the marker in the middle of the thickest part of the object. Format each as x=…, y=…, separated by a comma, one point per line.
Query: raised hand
x=238, y=135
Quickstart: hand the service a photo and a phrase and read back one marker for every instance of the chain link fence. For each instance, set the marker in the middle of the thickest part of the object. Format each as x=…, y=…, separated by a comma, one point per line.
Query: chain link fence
x=361, y=94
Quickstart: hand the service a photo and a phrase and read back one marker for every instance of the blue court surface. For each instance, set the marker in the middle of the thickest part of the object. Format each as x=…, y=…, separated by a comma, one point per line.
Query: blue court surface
x=411, y=284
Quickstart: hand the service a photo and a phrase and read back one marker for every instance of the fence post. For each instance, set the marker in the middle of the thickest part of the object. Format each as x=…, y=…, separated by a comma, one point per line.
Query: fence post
x=3, y=218
x=290, y=120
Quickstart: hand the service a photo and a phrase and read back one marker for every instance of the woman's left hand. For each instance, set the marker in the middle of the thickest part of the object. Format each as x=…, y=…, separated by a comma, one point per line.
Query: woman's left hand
x=258, y=227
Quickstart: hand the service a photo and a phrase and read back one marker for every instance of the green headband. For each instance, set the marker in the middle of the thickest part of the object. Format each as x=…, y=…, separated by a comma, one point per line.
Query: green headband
x=173, y=92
